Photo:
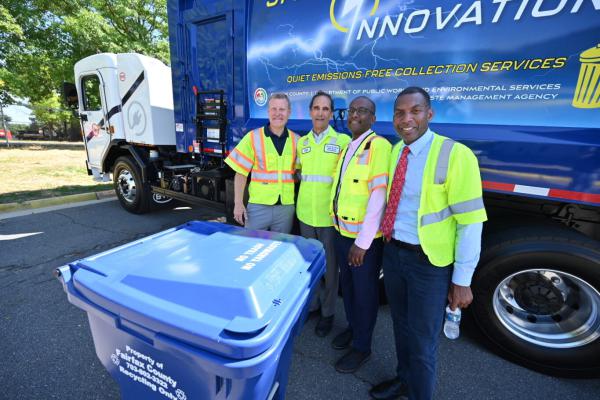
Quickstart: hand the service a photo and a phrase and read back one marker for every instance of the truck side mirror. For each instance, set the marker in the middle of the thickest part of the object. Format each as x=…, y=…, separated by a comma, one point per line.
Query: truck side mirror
x=70, y=96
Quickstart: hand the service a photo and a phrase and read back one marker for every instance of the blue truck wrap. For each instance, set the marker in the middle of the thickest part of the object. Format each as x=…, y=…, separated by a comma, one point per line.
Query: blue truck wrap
x=516, y=81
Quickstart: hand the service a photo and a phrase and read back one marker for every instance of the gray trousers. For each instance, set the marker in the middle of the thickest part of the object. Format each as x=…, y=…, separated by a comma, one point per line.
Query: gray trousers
x=326, y=292
x=278, y=218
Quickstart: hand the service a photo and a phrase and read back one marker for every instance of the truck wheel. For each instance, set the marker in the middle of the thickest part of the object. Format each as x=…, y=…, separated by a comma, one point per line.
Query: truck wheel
x=133, y=195
x=537, y=300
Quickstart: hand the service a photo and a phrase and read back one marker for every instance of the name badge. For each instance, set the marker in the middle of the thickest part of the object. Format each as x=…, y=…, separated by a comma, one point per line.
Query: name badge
x=305, y=150
x=332, y=148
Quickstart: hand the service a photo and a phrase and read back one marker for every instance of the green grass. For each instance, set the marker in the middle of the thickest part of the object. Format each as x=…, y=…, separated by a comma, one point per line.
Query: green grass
x=37, y=172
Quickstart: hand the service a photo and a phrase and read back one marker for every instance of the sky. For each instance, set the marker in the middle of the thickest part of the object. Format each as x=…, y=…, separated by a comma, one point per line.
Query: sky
x=19, y=114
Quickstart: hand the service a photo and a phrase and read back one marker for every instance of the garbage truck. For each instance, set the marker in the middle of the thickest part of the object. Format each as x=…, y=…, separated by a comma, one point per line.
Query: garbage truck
x=517, y=81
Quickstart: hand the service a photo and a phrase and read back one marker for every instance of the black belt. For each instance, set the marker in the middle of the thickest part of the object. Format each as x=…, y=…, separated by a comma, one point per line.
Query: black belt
x=403, y=245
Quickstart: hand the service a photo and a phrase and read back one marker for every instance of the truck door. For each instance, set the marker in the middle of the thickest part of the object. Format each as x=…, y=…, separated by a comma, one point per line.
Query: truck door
x=96, y=129
x=211, y=39
x=209, y=64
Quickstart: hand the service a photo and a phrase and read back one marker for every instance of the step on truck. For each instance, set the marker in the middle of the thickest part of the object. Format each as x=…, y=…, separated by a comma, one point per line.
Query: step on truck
x=518, y=81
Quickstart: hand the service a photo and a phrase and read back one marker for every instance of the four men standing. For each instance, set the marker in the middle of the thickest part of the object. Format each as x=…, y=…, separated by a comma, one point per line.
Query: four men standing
x=431, y=226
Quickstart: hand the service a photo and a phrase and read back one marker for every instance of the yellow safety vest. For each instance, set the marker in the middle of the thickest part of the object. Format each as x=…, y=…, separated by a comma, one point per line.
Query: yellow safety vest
x=450, y=194
x=272, y=174
x=367, y=170
x=318, y=162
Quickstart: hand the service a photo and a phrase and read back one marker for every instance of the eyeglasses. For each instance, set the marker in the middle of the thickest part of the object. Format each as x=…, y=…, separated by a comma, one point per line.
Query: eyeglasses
x=360, y=111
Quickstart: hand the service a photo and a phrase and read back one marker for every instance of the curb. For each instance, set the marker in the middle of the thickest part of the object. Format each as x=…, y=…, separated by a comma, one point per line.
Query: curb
x=44, y=144
x=55, y=201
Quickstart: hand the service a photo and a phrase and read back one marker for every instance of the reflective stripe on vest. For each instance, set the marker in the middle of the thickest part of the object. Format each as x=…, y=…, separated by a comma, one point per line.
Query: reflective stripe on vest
x=241, y=160
x=348, y=227
x=363, y=159
x=258, y=145
x=286, y=176
x=441, y=174
x=378, y=181
x=317, y=178
x=458, y=208
x=261, y=173
x=441, y=169
x=295, y=139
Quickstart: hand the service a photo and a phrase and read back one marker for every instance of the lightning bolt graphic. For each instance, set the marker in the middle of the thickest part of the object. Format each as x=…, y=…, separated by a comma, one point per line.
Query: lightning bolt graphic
x=350, y=5
x=137, y=117
x=293, y=53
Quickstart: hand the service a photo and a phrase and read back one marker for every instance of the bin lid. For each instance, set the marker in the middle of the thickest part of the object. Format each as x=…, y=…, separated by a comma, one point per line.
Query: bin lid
x=223, y=288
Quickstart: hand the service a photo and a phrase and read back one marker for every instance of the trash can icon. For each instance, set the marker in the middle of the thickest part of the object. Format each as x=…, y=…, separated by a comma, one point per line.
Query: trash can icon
x=200, y=311
x=587, y=91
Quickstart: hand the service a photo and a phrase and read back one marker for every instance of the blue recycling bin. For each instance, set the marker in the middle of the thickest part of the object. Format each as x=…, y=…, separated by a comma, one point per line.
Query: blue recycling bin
x=200, y=311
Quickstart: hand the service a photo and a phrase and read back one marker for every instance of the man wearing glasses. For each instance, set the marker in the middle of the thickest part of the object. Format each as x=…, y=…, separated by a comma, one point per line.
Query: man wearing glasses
x=357, y=203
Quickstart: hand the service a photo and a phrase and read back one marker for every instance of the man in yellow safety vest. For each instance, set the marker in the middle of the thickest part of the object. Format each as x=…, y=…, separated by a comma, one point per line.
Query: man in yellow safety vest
x=357, y=204
x=318, y=154
x=269, y=154
x=432, y=228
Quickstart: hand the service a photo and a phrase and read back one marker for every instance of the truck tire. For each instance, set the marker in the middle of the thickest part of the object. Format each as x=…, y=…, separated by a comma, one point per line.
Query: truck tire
x=537, y=300
x=132, y=193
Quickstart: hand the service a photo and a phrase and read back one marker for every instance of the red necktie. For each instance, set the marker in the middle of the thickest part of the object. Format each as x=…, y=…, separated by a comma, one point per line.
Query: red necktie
x=395, y=192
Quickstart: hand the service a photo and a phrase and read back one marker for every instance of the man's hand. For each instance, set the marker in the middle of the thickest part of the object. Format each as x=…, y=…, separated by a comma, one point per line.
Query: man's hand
x=459, y=296
x=356, y=256
x=239, y=214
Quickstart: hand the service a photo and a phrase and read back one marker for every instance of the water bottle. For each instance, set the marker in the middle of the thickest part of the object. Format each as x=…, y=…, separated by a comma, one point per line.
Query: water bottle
x=452, y=323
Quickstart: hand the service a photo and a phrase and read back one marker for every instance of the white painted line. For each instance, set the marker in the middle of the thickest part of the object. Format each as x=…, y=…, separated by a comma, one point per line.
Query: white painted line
x=22, y=213
x=15, y=236
x=538, y=191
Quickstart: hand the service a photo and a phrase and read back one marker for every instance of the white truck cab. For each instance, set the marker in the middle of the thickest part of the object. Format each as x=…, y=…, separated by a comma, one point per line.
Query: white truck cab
x=123, y=97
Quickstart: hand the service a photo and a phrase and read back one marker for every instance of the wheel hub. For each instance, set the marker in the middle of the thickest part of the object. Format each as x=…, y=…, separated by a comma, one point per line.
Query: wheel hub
x=549, y=308
x=537, y=294
x=126, y=186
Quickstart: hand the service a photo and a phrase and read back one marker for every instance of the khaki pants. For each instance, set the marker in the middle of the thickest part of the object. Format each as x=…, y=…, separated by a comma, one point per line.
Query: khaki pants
x=277, y=218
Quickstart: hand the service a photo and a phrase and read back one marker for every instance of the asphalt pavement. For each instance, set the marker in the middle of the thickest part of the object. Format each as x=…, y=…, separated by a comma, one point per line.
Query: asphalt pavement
x=47, y=350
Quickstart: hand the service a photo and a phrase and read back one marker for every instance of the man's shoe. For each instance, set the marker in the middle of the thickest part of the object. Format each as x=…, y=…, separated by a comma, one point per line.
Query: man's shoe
x=343, y=340
x=324, y=326
x=352, y=361
x=389, y=390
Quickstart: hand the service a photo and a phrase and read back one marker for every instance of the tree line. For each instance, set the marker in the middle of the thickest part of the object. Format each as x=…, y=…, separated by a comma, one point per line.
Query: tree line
x=41, y=40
